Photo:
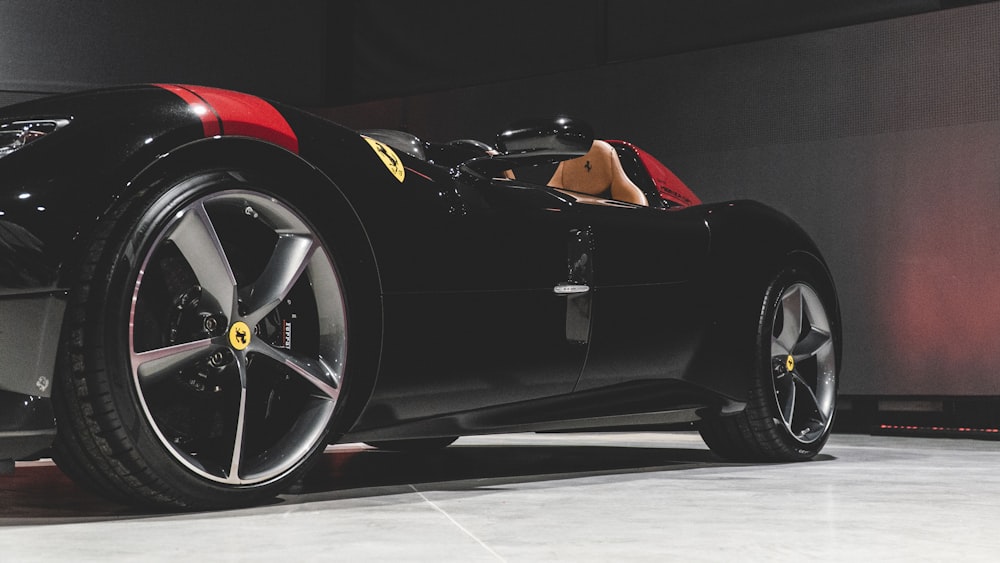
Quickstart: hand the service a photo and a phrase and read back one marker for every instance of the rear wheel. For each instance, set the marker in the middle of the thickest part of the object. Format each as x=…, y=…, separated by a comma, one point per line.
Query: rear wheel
x=792, y=397
x=204, y=350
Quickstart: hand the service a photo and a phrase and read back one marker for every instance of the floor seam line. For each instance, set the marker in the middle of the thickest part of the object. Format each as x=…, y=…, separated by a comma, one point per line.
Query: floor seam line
x=457, y=525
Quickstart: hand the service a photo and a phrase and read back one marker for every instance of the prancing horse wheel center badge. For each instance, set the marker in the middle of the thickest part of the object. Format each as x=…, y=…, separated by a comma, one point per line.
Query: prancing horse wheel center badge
x=239, y=335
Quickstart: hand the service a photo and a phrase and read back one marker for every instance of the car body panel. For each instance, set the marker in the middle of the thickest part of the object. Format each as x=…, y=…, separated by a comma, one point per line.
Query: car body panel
x=451, y=277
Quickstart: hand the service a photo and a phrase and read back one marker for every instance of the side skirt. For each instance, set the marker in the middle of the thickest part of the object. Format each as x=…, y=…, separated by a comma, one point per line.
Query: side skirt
x=638, y=404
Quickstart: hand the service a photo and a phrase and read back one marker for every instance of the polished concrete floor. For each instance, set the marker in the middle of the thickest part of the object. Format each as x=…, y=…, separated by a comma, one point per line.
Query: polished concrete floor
x=548, y=497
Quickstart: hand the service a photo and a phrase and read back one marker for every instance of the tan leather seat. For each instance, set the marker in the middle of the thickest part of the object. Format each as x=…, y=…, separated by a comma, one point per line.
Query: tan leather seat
x=598, y=173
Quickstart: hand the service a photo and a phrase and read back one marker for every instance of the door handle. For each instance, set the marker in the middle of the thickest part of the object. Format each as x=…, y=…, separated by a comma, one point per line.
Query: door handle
x=570, y=289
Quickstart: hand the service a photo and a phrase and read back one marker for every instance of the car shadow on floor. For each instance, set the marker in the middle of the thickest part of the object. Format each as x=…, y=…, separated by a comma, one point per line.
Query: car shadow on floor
x=352, y=474
x=41, y=494
x=371, y=472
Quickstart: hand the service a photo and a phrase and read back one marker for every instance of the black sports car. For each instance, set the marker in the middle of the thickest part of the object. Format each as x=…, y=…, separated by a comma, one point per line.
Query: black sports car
x=201, y=289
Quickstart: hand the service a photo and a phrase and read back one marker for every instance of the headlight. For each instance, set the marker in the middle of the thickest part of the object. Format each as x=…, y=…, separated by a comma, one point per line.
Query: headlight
x=16, y=134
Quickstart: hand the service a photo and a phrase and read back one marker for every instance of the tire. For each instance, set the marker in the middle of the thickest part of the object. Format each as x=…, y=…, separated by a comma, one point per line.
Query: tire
x=414, y=445
x=793, y=392
x=183, y=384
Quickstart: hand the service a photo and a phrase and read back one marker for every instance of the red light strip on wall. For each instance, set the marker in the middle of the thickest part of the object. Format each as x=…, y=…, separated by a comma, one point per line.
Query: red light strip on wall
x=911, y=428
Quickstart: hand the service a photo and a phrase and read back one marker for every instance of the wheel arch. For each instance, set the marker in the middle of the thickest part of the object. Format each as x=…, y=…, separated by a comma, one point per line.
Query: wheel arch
x=326, y=207
x=751, y=245
x=766, y=428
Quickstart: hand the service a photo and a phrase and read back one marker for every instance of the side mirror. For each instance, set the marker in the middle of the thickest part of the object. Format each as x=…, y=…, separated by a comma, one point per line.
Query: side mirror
x=536, y=141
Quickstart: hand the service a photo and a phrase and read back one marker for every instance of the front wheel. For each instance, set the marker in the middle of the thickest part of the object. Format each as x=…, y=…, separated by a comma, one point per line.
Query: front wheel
x=204, y=352
x=793, y=394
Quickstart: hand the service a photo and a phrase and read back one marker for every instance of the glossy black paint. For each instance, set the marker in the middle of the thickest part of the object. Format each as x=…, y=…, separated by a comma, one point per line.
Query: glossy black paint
x=534, y=142
x=76, y=174
x=454, y=326
x=559, y=135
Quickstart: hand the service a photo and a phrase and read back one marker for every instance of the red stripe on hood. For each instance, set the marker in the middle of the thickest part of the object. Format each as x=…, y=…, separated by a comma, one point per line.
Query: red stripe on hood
x=237, y=114
x=209, y=119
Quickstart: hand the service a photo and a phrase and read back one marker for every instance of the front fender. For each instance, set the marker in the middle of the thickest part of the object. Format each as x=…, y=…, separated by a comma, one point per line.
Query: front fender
x=751, y=244
x=332, y=216
x=54, y=188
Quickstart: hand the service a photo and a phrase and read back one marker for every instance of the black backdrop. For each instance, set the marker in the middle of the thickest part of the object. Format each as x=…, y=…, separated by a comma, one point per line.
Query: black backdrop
x=322, y=53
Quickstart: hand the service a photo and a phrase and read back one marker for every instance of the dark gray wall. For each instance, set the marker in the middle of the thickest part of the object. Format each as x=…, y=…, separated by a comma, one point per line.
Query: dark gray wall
x=275, y=49
x=401, y=47
x=882, y=139
x=326, y=52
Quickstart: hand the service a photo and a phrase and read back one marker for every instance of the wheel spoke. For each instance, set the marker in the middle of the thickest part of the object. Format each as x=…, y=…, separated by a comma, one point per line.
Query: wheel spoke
x=290, y=258
x=791, y=326
x=154, y=364
x=199, y=243
x=237, y=459
x=824, y=416
x=316, y=372
x=786, y=397
x=815, y=343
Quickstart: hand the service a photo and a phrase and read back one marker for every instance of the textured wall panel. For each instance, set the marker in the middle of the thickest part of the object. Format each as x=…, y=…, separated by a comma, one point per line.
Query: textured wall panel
x=269, y=48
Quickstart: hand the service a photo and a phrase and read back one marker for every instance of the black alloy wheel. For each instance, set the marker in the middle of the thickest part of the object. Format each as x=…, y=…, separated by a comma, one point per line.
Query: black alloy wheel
x=792, y=398
x=205, y=347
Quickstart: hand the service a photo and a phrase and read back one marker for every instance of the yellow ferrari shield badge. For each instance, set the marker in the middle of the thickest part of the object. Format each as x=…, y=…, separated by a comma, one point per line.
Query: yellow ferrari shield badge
x=790, y=363
x=239, y=335
x=389, y=158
